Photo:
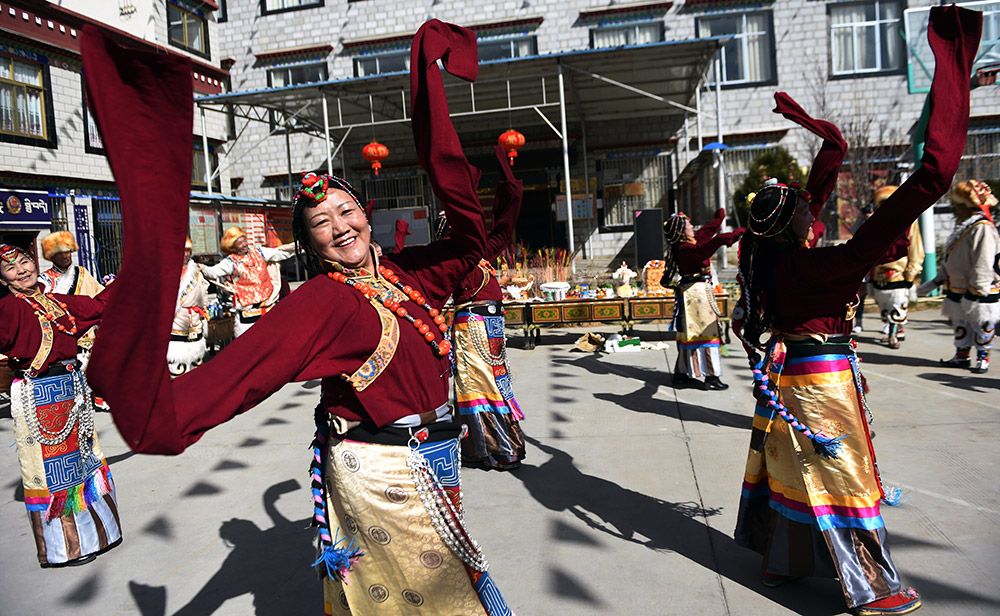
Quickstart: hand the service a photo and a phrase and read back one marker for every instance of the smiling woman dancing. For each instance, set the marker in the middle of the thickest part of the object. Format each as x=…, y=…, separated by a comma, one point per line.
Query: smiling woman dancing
x=386, y=483
x=811, y=491
x=68, y=490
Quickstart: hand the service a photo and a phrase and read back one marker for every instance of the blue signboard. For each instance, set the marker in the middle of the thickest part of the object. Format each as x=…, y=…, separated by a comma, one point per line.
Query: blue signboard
x=24, y=209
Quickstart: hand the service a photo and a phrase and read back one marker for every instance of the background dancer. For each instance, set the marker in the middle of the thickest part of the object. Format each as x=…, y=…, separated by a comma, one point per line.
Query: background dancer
x=811, y=492
x=696, y=315
x=64, y=277
x=187, y=346
x=371, y=330
x=68, y=489
x=970, y=276
x=483, y=389
x=244, y=272
x=892, y=280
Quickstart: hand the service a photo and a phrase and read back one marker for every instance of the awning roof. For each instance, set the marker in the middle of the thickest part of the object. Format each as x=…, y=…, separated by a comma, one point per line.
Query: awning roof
x=656, y=80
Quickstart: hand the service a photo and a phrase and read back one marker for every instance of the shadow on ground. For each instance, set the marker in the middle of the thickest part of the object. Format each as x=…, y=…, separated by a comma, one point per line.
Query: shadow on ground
x=642, y=400
x=271, y=564
x=624, y=514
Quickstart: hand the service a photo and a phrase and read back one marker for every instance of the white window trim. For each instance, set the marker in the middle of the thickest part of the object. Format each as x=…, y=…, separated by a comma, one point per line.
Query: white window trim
x=633, y=23
x=742, y=37
x=357, y=58
x=854, y=40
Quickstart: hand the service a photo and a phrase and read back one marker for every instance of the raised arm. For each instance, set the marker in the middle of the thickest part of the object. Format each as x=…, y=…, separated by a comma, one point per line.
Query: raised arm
x=440, y=266
x=402, y=230
x=276, y=255
x=506, y=208
x=704, y=250
x=826, y=165
x=218, y=271
x=954, y=37
x=140, y=98
x=710, y=228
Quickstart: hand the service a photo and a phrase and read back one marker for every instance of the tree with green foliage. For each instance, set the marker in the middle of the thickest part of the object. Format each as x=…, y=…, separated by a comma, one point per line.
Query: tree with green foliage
x=778, y=163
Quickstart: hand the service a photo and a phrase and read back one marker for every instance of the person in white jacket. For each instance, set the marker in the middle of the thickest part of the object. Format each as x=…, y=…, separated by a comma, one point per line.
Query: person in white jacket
x=187, y=345
x=971, y=276
x=244, y=272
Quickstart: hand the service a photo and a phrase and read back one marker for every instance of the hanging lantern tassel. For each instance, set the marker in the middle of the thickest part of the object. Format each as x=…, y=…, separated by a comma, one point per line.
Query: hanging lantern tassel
x=376, y=153
x=511, y=141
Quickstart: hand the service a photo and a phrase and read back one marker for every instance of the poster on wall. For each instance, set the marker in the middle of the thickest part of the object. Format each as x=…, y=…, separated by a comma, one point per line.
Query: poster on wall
x=279, y=227
x=81, y=219
x=250, y=220
x=583, y=209
x=204, y=231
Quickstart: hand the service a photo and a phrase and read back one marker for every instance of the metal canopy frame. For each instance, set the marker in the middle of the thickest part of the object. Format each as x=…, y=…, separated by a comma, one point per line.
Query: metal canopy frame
x=657, y=80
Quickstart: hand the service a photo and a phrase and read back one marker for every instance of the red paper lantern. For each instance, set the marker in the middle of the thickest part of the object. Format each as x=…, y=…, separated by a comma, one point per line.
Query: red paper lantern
x=511, y=141
x=376, y=153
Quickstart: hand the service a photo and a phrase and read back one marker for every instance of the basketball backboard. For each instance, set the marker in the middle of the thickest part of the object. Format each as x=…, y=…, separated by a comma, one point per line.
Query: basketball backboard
x=920, y=60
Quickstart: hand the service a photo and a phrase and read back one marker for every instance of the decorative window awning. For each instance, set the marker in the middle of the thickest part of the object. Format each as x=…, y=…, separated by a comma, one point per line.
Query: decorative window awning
x=718, y=5
x=625, y=12
x=403, y=40
x=293, y=54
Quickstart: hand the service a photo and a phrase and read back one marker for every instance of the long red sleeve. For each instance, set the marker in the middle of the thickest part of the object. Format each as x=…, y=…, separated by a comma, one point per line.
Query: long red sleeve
x=439, y=150
x=814, y=286
x=826, y=165
x=710, y=228
x=323, y=330
x=695, y=258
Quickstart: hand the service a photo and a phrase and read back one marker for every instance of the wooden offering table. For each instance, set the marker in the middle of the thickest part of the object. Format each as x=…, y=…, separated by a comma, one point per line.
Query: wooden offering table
x=625, y=312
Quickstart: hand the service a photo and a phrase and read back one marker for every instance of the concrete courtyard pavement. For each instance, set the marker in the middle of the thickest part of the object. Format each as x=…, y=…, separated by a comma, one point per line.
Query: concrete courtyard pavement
x=625, y=505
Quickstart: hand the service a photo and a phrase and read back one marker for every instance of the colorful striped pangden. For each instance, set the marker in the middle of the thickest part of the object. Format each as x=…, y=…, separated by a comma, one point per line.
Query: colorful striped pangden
x=791, y=493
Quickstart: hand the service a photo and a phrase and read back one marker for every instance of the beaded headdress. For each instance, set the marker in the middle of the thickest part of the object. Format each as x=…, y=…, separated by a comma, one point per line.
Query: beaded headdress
x=673, y=228
x=315, y=188
x=772, y=207
x=9, y=254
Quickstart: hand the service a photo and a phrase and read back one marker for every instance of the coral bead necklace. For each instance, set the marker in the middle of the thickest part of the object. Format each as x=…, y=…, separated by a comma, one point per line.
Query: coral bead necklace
x=424, y=329
x=49, y=311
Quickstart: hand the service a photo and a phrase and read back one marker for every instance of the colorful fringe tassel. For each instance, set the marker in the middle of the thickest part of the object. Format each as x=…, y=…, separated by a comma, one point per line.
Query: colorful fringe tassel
x=824, y=446
x=78, y=498
x=337, y=561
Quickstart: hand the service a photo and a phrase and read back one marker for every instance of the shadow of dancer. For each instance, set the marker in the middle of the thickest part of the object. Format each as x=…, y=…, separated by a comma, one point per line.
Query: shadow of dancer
x=274, y=565
x=662, y=525
x=642, y=400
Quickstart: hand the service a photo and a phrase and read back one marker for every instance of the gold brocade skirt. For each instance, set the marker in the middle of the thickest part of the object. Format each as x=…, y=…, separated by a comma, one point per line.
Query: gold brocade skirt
x=809, y=515
x=406, y=568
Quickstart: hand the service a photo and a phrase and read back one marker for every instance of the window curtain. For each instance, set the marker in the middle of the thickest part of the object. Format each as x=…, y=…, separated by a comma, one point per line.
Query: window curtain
x=892, y=44
x=647, y=33
x=842, y=35
x=758, y=57
x=609, y=37
x=7, y=107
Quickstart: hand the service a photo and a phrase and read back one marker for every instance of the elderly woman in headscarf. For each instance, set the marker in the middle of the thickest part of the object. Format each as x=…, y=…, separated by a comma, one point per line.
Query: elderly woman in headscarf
x=811, y=491
x=696, y=315
x=971, y=276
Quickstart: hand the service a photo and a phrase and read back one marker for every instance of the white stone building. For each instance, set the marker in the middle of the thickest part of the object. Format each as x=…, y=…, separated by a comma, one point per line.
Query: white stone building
x=840, y=60
x=52, y=160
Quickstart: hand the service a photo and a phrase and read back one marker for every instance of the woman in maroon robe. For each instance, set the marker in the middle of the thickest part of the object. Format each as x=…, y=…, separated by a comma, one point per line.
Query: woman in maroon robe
x=386, y=485
x=811, y=491
x=68, y=489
